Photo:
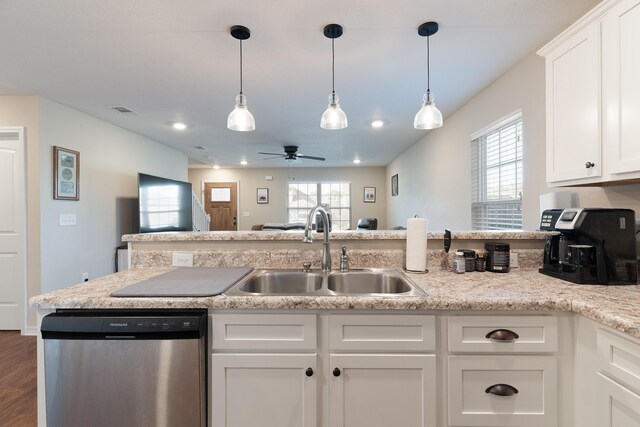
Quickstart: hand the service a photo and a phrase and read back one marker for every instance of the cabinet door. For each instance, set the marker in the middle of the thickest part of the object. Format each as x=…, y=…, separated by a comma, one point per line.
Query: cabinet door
x=619, y=406
x=382, y=390
x=266, y=390
x=573, y=108
x=621, y=86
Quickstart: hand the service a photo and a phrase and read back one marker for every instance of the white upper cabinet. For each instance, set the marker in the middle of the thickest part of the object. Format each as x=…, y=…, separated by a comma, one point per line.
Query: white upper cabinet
x=573, y=107
x=593, y=97
x=621, y=87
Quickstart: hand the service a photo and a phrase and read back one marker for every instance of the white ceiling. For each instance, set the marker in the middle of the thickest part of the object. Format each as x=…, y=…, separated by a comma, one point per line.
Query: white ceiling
x=171, y=60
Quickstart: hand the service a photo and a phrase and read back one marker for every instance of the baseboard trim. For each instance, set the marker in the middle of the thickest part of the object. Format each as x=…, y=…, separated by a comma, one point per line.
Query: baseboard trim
x=30, y=330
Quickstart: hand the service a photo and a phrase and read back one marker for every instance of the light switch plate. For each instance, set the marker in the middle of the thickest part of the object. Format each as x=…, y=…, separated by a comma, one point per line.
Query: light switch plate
x=65, y=220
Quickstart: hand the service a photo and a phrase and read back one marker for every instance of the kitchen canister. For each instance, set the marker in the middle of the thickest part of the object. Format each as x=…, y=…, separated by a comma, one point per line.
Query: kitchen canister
x=469, y=259
x=498, y=254
x=416, y=251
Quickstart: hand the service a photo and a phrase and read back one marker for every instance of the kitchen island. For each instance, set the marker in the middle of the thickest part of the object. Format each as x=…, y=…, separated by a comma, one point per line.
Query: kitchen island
x=564, y=329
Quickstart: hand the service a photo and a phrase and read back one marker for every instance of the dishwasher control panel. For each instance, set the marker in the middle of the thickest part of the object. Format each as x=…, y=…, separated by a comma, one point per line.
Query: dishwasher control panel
x=150, y=324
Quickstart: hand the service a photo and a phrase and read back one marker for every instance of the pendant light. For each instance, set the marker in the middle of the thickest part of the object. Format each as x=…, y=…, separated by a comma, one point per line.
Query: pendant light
x=240, y=118
x=333, y=117
x=429, y=117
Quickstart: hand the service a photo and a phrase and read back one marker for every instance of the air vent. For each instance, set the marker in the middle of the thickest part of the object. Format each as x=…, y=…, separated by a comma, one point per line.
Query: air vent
x=123, y=110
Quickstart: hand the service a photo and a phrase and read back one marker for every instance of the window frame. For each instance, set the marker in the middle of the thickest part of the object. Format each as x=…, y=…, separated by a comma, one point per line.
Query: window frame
x=319, y=184
x=478, y=187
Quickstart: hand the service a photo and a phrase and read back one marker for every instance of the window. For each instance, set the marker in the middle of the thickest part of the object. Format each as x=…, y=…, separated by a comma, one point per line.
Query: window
x=304, y=196
x=496, y=176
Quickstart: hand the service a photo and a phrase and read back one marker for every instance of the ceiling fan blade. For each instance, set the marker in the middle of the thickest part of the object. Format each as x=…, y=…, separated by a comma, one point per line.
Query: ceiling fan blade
x=273, y=157
x=311, y=157
x=273, y=154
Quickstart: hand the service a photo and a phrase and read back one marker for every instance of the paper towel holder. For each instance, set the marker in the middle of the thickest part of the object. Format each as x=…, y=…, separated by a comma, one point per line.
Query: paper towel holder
x=404, y=268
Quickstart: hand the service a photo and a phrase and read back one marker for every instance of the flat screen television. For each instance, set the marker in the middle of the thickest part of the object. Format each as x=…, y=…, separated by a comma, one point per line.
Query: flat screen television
x=164, y=204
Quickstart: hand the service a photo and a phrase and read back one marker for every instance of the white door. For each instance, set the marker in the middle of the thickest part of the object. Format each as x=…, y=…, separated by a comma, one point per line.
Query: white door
x=12, y=227
x=618, y=406
x=264, y=390
x=382, y=390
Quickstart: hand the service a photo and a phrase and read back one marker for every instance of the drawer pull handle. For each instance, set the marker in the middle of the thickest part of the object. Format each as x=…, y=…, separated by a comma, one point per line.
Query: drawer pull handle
x=336, y=372
x=501, y=390
x=589, y=165
x=502, y=335
x=309, y=372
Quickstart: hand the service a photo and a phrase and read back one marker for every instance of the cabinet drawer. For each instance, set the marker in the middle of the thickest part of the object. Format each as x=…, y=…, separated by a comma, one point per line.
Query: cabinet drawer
x=471, y=378
x=263, y=331
x=619, y=357
x=386, y=332
x=617, y=405
x=516, y=334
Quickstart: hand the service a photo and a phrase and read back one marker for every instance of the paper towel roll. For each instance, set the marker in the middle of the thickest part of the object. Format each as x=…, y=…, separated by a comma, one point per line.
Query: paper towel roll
x=416, y=254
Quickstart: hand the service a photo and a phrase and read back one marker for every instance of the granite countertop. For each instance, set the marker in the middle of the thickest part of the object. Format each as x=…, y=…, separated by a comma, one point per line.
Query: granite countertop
x=519, y=290
x=334, y=235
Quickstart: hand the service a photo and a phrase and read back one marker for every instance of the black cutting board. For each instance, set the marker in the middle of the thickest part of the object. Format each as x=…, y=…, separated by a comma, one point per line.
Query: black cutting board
x=186, y=282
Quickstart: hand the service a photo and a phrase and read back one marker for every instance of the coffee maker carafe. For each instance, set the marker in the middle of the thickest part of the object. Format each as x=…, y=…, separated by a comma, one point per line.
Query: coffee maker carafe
x=594, y=245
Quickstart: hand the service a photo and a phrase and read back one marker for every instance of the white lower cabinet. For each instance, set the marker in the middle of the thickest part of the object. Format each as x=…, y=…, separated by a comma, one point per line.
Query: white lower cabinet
x=266, y=390
x=618, y=380
x=618, y=405
x=382, y=390
x=502, y=391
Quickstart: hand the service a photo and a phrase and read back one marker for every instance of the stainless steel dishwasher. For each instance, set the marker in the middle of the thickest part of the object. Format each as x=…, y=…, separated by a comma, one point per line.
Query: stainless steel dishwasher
x=125, y=368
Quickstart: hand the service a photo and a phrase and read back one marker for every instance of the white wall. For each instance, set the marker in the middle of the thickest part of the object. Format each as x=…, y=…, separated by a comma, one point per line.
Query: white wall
x=250, y=179
x=434, y=177
x=23, y=111
x=110, y=158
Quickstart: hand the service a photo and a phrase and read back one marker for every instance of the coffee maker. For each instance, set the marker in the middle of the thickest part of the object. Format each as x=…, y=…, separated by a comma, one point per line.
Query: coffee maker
x=593, y=246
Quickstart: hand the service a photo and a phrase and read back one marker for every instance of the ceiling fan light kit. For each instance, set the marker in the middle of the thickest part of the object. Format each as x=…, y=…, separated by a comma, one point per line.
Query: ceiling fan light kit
x=333, y=117
x=429, y=117
x=241, y=118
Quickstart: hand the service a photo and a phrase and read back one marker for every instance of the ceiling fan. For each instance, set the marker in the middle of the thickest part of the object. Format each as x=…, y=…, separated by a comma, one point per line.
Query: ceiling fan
x=291, y=154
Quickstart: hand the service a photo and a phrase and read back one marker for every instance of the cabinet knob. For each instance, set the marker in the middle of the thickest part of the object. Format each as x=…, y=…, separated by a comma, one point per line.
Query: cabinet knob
x=309, y=372
x=589, y=165
x=502, y=335
x=501, y=390
x=336, y=372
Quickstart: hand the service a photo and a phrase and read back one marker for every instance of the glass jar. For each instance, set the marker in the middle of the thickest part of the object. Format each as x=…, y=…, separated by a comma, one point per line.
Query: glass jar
x=459, y=263
x=481, y=262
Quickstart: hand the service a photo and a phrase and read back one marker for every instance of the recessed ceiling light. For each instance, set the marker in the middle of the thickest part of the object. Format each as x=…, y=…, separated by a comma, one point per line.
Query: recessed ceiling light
x=356, y=161
x=216, y=167
x=377, y=123
x=243, y=162
x=179, y=126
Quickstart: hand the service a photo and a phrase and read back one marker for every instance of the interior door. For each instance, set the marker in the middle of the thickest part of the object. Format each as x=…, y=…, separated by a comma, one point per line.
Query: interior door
x=12, y=227
x=221, y=202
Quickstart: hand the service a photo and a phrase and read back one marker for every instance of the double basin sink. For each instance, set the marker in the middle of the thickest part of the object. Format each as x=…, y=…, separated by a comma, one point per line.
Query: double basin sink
x=371, y=282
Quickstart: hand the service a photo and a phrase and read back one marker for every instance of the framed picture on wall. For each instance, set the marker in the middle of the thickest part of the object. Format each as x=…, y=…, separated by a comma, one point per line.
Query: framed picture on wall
x=394, y=185
x=66, y=174
x=263, y=196
x=369, y=194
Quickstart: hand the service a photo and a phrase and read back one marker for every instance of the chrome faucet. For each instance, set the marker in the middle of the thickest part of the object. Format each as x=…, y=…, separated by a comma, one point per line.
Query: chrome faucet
x=308, y=235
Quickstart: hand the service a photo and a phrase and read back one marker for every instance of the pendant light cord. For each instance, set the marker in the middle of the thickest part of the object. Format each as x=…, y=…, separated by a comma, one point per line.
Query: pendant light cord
x=428, y=64
x=240, y=67
x=333, y=67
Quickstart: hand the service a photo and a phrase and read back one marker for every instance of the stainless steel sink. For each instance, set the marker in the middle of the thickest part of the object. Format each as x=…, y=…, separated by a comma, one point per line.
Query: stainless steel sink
x=373, y=282
x=281, y=282
x=368, y=282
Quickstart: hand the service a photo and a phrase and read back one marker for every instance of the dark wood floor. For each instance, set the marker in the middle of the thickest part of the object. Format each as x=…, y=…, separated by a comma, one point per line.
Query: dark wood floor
x=18, y=386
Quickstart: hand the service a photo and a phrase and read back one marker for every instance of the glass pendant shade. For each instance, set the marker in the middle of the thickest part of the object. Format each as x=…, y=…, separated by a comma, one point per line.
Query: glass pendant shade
x=241, y=118
x=429, y=117
x=333, y=117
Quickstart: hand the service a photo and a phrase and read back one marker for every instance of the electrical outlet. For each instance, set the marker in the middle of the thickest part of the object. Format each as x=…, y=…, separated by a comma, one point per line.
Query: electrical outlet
x=513, y=260
x=182, y=259
x=85, y=277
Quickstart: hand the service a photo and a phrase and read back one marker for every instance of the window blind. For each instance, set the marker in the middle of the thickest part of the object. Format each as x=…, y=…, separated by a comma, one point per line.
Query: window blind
x=496, y=177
